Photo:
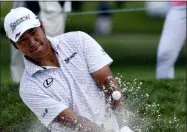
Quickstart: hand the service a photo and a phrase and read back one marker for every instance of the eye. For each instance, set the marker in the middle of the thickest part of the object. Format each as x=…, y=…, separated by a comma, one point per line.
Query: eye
x=22, y=42
x=34, y=31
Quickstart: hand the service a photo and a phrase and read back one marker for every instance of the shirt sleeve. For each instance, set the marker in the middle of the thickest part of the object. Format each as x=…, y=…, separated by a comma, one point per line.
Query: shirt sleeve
x=95, y=56
x=45, y=107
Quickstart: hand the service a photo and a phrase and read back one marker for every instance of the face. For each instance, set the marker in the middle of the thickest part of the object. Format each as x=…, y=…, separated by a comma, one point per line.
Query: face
x=33, y=43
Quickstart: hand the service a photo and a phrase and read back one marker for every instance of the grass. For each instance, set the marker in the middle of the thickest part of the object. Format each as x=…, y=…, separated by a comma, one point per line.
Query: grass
x=163, y=110
x=144, y=72
x=159, y=104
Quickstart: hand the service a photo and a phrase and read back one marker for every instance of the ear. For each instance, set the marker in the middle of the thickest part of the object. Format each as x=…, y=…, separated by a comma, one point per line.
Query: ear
x=42, y=26
x=14, y=44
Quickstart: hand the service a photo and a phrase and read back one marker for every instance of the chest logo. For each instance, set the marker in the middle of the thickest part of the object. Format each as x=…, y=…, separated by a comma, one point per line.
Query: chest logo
x=48, y=82
x=69, y=58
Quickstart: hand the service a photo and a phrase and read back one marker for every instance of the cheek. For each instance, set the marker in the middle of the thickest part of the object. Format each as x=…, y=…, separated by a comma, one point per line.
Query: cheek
x=23, y=49
x=43, y=42
x=41, y=39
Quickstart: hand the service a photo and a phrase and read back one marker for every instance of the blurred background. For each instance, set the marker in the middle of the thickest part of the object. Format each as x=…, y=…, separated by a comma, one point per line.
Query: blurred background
x=129, y=32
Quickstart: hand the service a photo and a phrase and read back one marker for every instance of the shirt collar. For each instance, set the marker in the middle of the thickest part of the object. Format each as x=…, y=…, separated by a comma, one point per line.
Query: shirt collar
x=32, y=68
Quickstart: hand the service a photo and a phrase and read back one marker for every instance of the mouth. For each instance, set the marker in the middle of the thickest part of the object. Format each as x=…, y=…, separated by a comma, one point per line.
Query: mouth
x=34, y=49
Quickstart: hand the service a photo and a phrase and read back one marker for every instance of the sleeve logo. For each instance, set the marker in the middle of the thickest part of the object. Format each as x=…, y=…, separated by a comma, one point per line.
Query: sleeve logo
x=45, y=112
x=104, y=53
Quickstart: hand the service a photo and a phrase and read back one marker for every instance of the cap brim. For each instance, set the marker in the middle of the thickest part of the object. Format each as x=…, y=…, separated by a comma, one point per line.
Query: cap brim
x=20, y=29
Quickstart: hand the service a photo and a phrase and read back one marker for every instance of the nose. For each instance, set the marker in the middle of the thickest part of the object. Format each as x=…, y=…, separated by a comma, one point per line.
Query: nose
x=32, y=42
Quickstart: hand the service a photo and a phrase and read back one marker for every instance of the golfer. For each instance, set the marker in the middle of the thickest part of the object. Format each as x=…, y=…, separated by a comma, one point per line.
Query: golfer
x=172, y=40
x=67, y=81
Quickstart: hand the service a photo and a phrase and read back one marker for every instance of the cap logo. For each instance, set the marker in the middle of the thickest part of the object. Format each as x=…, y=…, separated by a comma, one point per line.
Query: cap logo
x=18, y=34
x=18, y=21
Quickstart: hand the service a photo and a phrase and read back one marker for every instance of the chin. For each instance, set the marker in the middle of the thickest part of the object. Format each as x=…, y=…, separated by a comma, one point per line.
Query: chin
x=38, y=53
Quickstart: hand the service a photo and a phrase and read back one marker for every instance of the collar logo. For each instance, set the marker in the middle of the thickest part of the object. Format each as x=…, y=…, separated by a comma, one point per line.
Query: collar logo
x=48, y=82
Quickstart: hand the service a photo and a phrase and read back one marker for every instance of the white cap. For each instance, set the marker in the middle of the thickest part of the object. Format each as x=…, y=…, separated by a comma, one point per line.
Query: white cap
x=19, y=20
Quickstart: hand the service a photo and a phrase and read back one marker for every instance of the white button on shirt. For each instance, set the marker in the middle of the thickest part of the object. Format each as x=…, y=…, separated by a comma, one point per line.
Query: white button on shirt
x=47, y=91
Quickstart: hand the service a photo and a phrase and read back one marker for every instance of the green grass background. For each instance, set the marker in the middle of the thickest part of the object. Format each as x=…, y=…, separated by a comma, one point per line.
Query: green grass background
x=132, y=45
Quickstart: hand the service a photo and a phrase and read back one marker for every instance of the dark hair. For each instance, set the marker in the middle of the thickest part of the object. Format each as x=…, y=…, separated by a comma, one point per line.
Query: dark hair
x=14, y=44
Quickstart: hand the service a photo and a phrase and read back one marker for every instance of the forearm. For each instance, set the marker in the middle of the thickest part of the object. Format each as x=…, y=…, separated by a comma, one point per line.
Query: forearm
x=81, y=124
x=106, y=80
x=85, y=125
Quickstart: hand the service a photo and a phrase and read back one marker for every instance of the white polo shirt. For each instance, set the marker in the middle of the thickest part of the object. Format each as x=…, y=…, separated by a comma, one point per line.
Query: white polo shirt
x=47, y=91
